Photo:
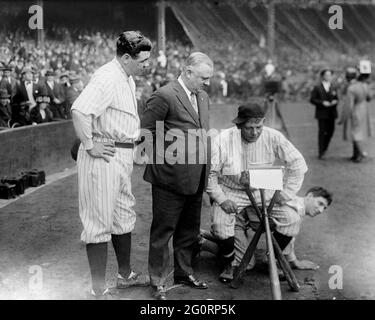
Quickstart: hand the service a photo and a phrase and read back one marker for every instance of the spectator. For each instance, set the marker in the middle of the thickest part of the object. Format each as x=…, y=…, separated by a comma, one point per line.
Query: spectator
x=27, y=89
x=5, y=108
x=41, y=113
x=8, y=82
x=20, y=115
x=269, y=68
x=162, y=59
x=54, y=91
x=73, y=91
x=64, y=84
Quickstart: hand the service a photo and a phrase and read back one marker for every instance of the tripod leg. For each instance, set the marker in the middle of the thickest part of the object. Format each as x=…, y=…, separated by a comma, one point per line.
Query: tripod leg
x=289, y=274
x=237, y=279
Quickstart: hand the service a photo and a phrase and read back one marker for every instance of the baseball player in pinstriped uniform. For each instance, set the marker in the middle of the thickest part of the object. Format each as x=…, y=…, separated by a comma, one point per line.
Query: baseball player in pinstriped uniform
x=107, y=123
x=235, y=150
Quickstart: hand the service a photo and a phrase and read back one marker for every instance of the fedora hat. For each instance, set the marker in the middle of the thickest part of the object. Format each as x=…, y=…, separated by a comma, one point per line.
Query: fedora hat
x=7, y=68
x=27, y=69
x=50, y=73
x=74, y=79
x=64, y=74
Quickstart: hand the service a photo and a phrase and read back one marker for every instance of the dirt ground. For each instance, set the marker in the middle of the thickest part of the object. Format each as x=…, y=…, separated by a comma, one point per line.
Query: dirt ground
x=40, y=233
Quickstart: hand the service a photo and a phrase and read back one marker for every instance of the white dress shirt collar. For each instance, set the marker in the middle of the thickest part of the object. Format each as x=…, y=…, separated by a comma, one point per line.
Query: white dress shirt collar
x=188, y=92
x=326, y=85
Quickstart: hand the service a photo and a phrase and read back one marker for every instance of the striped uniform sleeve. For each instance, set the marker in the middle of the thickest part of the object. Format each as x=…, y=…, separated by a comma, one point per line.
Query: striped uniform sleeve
x=217, y=161
x=295, y=164
x=82, y=126
x=97, y=96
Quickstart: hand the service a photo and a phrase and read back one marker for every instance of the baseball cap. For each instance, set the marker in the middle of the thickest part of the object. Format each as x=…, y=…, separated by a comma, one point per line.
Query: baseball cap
x=249, y=111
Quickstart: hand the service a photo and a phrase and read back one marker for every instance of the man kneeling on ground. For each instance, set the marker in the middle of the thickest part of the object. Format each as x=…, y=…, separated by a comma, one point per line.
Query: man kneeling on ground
x=235, y=150
x=315, y=202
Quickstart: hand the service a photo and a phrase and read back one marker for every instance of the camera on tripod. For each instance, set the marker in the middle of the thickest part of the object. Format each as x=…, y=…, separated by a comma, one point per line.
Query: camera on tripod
x=272, y=87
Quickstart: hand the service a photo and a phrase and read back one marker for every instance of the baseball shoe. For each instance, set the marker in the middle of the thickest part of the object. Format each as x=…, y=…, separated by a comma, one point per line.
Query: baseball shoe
x=191, y=281
x=228, y=274
x=159, y=293
x=105, y=295
x=134, y=279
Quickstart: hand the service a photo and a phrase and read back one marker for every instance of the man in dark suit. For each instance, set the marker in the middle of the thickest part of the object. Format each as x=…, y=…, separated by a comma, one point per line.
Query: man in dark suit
x=177, y=184
x=64, y=86
x=8, y=82
x=5, y=109
x=27, y=89
x=20, y=115
x=325, y=99
x=73, y=91
x=54, y=92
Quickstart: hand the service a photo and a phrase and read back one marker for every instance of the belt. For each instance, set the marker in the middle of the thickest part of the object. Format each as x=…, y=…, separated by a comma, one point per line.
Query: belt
x=125, y=145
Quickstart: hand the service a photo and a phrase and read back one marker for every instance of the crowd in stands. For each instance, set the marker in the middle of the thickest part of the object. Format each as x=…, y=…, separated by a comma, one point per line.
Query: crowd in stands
x=39, y=85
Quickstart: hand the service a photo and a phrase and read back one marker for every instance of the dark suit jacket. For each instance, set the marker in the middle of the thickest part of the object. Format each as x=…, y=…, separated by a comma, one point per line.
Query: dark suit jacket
x=35, y=115
x=5, y=114
x=56, y=92
x=318, y=95
x=21, y=93
x=171, y=105
x=10, y=87
x=71, y=95
x=20, y=115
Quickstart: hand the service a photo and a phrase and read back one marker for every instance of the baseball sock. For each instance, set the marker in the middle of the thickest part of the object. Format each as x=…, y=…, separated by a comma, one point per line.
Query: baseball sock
x=227, y=250
x=97, y=256
x=122, y=245
x=282, y=240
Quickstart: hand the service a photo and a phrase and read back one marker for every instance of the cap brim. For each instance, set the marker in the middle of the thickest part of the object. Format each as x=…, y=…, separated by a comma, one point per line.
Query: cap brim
x=239, y=120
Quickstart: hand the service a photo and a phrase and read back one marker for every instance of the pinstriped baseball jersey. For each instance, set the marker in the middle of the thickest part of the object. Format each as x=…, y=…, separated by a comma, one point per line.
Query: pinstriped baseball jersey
x=230, y=156
x=105, y=197
x=110, y=98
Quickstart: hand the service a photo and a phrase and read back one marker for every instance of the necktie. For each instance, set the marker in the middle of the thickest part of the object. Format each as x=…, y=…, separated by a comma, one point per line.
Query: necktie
x=193, y=100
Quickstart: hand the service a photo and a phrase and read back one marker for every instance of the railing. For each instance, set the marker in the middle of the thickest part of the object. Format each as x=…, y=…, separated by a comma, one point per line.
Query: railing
x=44, y=146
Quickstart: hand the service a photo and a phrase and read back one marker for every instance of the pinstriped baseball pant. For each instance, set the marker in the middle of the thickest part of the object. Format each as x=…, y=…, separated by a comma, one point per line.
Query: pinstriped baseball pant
x=224, y=225
x=105, y=196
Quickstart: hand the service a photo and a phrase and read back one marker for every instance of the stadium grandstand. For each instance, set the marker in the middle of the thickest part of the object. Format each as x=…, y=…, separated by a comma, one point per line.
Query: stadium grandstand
x=240, y=36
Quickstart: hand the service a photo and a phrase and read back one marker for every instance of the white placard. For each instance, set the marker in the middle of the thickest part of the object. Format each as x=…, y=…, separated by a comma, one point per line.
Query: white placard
x=266, y=178
x=365, y=66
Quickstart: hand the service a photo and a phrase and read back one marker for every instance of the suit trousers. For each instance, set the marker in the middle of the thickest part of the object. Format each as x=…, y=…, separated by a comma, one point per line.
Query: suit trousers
x=326, y=130
x=178, y=216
